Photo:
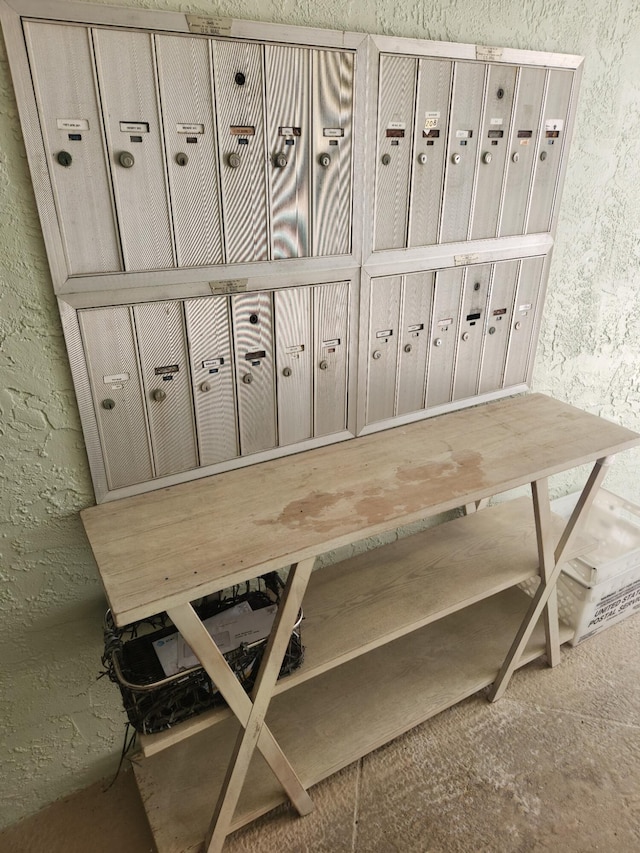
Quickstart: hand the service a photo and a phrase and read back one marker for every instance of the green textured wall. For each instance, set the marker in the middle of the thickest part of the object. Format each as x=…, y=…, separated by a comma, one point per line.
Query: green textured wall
x=60, y=727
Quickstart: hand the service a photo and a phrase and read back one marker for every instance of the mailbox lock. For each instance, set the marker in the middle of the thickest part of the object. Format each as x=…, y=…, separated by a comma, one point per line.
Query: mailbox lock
x=518, y=326
x=182, y=159
x=253, y=319
x=386, y=159
x=126, y=159
x=206, y=386
x=286, y=371
x=422, y=158
x=324, y=365
x=158, y=394
x=108, y=404
x=280, y=160
x=438, y=342
x=377, y=354
x=240, y=78
x=492, y=330
x=408, y=347
x=64, y=158
x=515, y=156
x=247, y=378
x=543, y=155
x=476, y=286
x=465, y=336
x=233, y=160
x=500, y=93
x=455, y=159
x=487, y=157
x=325, y=160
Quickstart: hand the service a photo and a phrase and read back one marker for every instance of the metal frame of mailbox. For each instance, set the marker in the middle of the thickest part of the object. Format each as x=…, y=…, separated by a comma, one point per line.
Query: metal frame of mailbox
x=358, y=267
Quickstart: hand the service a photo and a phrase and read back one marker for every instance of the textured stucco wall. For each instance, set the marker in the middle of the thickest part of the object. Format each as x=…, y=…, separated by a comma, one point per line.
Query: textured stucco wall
x=60, y=728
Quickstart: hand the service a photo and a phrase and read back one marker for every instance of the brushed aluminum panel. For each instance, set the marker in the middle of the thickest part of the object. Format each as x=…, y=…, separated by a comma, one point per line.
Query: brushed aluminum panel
x=525, y=132
x=429, y=150
x=547, y=170
x=110, y=352
x=66, y=96
x=213, y=376
x=477, y=280
x=294, y=364
x=332, y=105
x=384, y=326
x=253, y=335
x=498, y=105
x=289, y=136
x=331, y=357
x=523, y=324
x=498, y=325
x=396, y=94
x=184, y=76
x=244, y=191
x=165, y=370
x=417, y=296
x=464, y=132
x=444, y=329
x=129, y=99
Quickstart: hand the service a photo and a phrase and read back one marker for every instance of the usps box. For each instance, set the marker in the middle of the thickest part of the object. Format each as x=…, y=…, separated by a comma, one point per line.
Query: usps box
x=602, y=587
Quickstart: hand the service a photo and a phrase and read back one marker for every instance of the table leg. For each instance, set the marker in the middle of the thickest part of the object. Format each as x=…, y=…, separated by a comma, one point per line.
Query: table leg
x=542, y=512
x=547, y=586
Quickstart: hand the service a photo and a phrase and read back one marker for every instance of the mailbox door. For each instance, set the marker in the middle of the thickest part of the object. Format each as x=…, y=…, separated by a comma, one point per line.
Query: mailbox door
x=384, y=323
x=417, y=296
x=521, y=343
x=331, y=357
x=444, y=330
x=498, y=325
x=294, y=358
x=471, y=332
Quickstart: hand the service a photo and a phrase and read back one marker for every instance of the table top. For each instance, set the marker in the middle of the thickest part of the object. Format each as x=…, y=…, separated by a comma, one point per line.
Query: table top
x=179, y=543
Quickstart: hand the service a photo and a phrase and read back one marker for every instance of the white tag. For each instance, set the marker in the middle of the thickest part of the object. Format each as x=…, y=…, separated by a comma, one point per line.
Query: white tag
x=554, y=124
x=190, y=128
x=209, y=26
x=463, y=260
x=496, y=121
x=396, y=125
x=235, y=286
x=117, y=377
x=73, y=124
x=333, y=131
x=488, y=54
x=463, y=134
x=134, y=127
x=431, y=120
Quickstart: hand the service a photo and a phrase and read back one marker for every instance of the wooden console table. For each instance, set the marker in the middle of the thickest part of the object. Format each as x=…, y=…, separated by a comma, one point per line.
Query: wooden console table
x=392, y=636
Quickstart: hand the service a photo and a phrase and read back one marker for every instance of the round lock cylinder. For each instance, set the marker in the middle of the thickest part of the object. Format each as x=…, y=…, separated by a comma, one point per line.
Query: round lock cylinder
x=517, y=325
x=286, y=371
x=487, y=157
x=182, y=159
x=64, y=158
x=324, y=365
x=377, y=354
x=492, y=330
x=465, y=336
x=455, y=159
x=543, y=155
x=240, y=79
x=280, y=160
x=247, y=378
x=515, y=156
x=205, y=386
x=408, y=347
x=233, y=160
x=422, y=158
x=386, y=159
x=126, y=159
x=158, y=394
x=325, y=160
x=108, y=404
x=437, y=342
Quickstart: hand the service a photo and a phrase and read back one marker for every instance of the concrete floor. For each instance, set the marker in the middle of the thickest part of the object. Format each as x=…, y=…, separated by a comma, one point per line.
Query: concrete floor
x=553, y=766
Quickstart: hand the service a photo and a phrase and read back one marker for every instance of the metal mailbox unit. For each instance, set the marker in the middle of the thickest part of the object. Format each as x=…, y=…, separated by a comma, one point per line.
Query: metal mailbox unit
x=267, y=238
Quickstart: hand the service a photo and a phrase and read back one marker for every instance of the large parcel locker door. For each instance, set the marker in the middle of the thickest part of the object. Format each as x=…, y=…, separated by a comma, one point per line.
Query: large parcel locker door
x=240, y=117
x=444, y=329
x=417, y=295
x=167, y=385
x=72, y=131
x=384, y=324
x=396, y=94
x=130, y=105
x=253, y=351
x=523, y=324
x=464, y=130
x=551, y=145
x=213, y=377
x=331, y=357
x=112, y=364
x=332, y=104
x=294, y=357
x=477, y=280
x=498, y=325
x=184, y=73
x=429, y=150
x=493, y=143
x=288, y=138
x=523, y=149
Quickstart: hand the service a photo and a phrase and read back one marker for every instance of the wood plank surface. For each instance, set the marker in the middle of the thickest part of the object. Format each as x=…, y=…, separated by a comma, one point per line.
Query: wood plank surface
x=171, y=546
x=329, y=722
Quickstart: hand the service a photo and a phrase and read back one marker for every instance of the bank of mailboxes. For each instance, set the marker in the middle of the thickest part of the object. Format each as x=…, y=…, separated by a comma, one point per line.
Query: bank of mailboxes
x=436, y=338
x=182, y=384
x=169, y=151
x=466, y=150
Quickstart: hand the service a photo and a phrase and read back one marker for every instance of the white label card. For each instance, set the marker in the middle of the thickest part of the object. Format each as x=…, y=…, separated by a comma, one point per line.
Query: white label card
x=554, y=124
x=235, y=286
x=209, y=26
x=488, y=54
x=73, y=124
x=190, y=128
x=396, y=125
x=431, y=120
x=463, y=260
x=134, y=127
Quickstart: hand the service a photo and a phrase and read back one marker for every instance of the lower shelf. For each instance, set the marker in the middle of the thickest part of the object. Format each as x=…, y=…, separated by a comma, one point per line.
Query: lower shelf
x=330, y=721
